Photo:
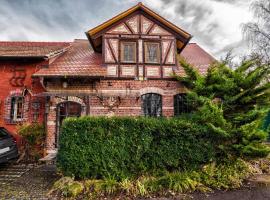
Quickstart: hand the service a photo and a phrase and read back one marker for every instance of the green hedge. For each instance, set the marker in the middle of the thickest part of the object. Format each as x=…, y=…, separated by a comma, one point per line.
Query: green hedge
x=100, y=147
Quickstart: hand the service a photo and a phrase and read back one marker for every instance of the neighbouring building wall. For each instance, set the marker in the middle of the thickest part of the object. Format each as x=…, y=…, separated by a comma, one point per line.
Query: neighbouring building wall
x=16, y=82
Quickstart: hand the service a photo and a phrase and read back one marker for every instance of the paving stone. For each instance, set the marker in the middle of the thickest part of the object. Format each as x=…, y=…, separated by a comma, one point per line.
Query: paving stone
x=26, y=181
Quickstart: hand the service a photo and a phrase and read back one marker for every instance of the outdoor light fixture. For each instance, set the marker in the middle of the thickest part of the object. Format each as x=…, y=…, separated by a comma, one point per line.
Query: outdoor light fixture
x=109, y=83
x=47, y=108
x=65, y=84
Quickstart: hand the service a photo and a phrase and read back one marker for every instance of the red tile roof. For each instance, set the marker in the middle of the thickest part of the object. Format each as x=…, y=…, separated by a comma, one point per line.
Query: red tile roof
x=79, y=60
x=198, y=57
x=32, y=49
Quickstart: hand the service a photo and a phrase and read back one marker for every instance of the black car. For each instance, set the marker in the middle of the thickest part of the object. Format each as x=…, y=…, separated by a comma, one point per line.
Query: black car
x=8, y=146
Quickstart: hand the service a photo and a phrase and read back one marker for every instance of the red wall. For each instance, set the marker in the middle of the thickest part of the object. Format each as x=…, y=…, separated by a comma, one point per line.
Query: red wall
x=34, y=86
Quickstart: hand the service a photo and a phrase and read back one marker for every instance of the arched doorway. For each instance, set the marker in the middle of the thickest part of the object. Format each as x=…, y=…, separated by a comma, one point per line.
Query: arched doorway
x=64, y=110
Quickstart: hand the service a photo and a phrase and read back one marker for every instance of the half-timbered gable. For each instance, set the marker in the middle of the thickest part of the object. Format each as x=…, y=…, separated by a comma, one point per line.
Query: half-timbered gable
x=139, y=44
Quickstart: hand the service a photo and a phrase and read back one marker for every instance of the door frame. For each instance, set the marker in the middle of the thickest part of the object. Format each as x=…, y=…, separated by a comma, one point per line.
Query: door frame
x=57, y=124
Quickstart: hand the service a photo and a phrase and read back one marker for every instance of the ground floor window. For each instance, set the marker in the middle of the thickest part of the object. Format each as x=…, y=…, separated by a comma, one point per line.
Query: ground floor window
x=181, y=104
x=16, y=111
x=152, y=105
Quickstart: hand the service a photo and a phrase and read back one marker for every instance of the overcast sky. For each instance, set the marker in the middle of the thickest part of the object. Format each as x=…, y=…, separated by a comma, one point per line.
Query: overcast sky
x=214, y=24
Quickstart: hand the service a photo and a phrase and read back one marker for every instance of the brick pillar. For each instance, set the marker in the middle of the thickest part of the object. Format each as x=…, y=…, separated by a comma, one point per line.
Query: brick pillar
x=167, y=106
x=51, y=130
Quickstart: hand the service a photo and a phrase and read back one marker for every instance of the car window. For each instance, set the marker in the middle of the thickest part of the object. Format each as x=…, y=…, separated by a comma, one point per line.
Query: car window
x=3, y=133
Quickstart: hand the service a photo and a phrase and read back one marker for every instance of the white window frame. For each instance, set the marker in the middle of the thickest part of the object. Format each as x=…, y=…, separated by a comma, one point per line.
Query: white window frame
x=14, y=110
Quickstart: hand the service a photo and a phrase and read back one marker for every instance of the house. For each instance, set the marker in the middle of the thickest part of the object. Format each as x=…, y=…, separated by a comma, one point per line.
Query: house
x=123, y=68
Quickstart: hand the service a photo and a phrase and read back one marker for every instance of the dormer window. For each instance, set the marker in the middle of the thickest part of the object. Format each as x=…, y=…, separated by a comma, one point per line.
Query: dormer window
x=128, y=52
x=152, y=52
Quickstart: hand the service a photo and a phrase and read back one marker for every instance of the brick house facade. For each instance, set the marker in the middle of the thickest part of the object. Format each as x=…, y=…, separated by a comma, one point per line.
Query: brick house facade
x=124, y=69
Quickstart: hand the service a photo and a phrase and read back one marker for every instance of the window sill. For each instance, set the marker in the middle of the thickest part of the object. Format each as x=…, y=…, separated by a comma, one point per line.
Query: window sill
x=12, y=122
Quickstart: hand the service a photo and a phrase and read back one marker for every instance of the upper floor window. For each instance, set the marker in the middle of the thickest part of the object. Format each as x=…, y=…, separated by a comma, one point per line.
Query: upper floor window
x=181, y=104
x=128, y=52
x=152, y=52
x=16, y=112
x=152, y=105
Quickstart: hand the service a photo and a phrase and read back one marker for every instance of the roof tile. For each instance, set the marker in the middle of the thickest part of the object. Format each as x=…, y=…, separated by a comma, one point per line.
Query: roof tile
x=81, y=60
x=198, y=57
x=31, y=49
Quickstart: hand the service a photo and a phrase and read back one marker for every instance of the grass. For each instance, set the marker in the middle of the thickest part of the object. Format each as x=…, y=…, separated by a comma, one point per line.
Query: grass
x=212, y=176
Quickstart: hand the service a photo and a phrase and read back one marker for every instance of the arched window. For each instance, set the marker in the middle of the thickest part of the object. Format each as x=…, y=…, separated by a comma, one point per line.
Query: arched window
x=181, y=104
x=152, y=105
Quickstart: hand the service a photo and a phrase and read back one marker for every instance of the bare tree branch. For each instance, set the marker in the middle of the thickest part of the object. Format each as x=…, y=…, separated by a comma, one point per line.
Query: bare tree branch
x=258, y=33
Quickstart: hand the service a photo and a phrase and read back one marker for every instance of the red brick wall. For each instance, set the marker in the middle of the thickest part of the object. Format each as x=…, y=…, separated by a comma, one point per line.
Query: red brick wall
x=130, y=100
x=6, y=88
x=131, y=106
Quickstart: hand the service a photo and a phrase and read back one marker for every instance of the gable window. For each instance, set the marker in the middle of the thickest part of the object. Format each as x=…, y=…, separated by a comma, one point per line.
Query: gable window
x=152, y=52
x=152, y=105
x=16, y=112
x=128, y=52
x=181, y=104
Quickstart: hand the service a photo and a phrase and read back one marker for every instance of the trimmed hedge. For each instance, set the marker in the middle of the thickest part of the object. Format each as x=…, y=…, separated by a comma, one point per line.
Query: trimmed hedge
x=100, y=147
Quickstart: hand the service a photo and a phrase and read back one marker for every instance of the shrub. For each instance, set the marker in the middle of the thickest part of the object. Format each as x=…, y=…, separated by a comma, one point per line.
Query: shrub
x=99, y=147
x=233, y=102
x=68, y=187
x=227, y=175
x=34, y=133
x=34, y=139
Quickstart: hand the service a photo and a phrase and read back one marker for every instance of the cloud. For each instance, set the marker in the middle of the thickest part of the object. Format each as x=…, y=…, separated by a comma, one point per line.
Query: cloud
x=214, y=24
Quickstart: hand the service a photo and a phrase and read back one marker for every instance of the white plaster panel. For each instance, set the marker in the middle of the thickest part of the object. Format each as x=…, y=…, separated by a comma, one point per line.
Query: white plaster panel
x=128, y=70
x=140, y=51
x=152, y=71
x=111, y=70
x=145, y=24
x=134, y=24
x=120, y=29
x=140, y=71
x=114, y=44
x=167, y=71
x=171, y=55
x=165, y=45
x=157, y=30
x=108, y=55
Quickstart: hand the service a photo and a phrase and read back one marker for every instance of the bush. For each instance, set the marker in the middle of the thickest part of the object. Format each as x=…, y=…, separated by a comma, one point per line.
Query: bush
x=34, y=133
x=67, y=187
x=120, y=148
x=226, y=175
x=34, y=139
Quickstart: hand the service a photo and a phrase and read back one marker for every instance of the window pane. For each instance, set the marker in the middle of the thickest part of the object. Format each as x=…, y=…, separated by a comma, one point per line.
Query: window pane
x=16, y=112
x=152, y=52
x=128, y=54
x=13, y=100
x=180, y=104
x=152, y=105
x=19, y=108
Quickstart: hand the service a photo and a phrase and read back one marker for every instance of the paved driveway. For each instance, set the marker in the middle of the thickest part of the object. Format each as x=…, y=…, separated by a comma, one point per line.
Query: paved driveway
x=26, y=181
